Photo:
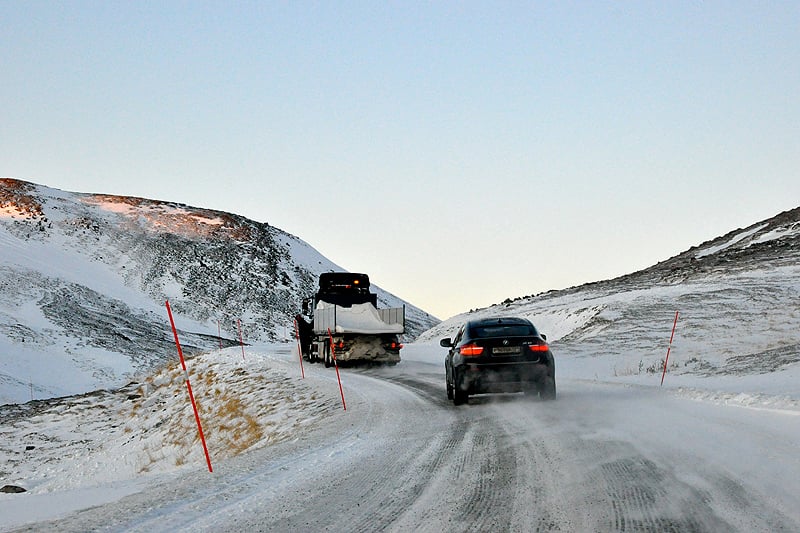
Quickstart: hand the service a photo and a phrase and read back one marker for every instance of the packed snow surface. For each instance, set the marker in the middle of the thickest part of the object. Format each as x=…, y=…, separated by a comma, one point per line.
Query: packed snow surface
x=358, y=318
x=277, y=433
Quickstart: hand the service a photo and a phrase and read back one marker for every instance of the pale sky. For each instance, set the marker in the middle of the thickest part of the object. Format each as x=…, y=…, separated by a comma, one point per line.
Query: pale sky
x=458, y=152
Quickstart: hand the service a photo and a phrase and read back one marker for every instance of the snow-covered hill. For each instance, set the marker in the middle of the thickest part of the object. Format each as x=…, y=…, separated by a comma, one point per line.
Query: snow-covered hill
x=736, y=344
x=84, y=277
x=738, y=299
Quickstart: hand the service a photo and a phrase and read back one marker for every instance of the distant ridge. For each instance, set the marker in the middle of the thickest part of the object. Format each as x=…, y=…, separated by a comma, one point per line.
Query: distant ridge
x=737, y=296
x=769, y=243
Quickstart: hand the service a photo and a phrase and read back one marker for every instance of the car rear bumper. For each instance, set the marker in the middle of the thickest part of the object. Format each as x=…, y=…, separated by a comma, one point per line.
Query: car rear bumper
x=508, y=377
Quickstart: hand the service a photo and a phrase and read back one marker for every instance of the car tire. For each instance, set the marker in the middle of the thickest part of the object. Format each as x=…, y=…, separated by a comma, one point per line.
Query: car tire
x=460, y=397
x=449, y=390
x=548, y=389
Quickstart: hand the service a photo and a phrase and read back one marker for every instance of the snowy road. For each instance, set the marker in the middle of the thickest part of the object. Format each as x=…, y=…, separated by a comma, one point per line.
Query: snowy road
x=603, y=457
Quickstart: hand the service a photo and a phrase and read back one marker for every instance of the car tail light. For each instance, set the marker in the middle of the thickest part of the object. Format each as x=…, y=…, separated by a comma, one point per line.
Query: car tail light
x=395, y=346
x=340, y=345
x=471, y=350
x=539, y=347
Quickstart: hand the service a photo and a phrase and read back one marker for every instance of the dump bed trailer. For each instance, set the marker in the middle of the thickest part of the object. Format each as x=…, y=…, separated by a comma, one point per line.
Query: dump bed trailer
x=347, y=323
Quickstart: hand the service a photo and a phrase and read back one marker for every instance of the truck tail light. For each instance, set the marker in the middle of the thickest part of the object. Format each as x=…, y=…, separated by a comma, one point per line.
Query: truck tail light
x=471, y=350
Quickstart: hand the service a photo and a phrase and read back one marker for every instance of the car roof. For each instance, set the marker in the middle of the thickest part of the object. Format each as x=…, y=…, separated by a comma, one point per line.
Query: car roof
x=498, y=320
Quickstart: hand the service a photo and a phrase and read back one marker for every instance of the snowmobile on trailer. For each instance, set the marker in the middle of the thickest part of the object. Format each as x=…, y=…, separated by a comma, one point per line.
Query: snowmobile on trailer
x=344, y=314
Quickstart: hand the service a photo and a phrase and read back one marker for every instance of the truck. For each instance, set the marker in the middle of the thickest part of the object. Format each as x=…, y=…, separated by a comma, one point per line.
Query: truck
x=345, y=323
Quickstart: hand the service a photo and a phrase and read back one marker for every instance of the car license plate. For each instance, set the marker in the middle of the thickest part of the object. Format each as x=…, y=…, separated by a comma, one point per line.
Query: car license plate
x=505, y=350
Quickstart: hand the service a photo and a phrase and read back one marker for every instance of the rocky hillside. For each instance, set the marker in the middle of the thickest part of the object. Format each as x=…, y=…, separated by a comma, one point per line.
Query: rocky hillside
x=737, y=298
x=84, y=277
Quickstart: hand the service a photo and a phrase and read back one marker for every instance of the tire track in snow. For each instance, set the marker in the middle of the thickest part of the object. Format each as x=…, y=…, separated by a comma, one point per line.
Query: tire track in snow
x=370, y=483
x=384, y=503
x=538, y=505
x=492, y=472
x=403, y=459
x=495, y=480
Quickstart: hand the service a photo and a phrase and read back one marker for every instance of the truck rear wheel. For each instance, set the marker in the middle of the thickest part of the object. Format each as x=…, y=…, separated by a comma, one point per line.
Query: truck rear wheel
x=327, y=357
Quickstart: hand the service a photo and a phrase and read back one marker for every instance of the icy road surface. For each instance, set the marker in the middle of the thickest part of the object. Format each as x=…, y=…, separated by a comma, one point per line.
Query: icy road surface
x=603, y=457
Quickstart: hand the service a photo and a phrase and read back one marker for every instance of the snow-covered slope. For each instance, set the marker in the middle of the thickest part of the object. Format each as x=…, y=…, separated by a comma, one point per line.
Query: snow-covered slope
x=736, y=344
x=84, y=277
x=738, y=302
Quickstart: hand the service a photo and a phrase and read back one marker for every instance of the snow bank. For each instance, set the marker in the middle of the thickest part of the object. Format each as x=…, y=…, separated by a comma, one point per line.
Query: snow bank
x=149, y=427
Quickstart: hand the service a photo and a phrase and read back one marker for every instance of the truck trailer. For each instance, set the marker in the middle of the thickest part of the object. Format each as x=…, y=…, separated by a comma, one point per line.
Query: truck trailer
x=345, y=322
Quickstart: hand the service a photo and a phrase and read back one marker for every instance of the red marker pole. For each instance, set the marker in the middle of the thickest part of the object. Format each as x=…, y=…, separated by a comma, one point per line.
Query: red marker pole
x=239, y=326
x=669, y=348
x=189, y=387
x=336, y=366
x=299, y=349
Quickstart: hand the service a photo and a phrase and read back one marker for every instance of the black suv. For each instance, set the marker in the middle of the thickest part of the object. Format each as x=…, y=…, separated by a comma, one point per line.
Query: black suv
x=498, y=355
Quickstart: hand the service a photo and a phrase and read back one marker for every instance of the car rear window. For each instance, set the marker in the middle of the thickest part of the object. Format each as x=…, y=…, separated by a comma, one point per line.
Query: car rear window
x=503, y=330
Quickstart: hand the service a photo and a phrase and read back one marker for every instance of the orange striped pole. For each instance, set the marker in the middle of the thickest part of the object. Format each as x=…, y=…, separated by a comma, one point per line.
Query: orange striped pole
x=336, y=365
x=669, y=348
x=299, y=349
x=189, y=387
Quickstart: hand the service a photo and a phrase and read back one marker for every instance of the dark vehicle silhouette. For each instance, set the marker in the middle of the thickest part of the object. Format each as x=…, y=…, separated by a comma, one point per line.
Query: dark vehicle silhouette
x=494, y=355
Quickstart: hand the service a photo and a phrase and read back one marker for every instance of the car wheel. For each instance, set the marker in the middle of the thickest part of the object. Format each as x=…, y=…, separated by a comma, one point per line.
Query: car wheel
x=459, y=394
x=459, y=397
x=449, y=390
x=548, y=389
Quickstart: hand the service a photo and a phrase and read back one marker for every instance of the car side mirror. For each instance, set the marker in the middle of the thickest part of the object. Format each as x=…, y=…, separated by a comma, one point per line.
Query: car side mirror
x=544, y=337
x=446, y=343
